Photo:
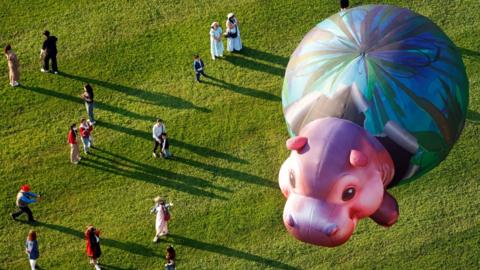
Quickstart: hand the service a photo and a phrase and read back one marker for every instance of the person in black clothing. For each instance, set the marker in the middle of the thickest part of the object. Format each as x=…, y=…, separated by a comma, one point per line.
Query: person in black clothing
x=49, y=52
x=344, y=4
x=198, y=67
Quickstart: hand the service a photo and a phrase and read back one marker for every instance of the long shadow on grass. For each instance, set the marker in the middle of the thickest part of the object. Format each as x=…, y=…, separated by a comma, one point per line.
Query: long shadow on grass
x=226, y=251
x=188, y=184
x=98, y=105
x=473, y=117
x=130, y=247
x=254, y=65
x=113, y=267
x=199, y=150
x=469, y=53
x=160, y=99
x=264, y=56
x=151, y=170
x=242, y=90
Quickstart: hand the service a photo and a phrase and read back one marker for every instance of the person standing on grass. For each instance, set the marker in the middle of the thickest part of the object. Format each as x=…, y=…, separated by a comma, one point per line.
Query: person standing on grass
x=234, y=42
x=72, y=140
x=92, y=236
x=157, y=131
x=13, y=66
x=87, y=96
x=198, y=67
x=85, y=130
x=160, y=209
x=49, y=52
x=170, y=257
x=216, y=44
x=24, y=198
x=31, y=248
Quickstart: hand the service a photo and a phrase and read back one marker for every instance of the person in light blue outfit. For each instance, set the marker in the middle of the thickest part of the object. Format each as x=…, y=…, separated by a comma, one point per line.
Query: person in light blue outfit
x=24, y=198
x=31, y=248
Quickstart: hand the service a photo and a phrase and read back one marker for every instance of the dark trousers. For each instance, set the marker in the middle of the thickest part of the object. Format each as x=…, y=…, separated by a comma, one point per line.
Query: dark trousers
x=197, y=75
x=47, y=59
x=24, y=209
x=156, y=144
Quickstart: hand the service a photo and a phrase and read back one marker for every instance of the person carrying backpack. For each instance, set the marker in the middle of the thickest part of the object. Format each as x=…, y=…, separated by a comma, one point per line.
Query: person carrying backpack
x=161, y=209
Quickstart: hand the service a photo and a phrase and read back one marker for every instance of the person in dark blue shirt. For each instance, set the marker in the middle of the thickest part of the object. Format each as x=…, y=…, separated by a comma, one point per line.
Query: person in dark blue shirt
x=31, y=248
x=198, y=66
x=24, y=198
x=49, y=52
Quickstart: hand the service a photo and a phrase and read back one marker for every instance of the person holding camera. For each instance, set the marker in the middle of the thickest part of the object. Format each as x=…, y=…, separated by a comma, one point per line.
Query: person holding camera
x=24, y=198
x=234, y=43
x=161, y=210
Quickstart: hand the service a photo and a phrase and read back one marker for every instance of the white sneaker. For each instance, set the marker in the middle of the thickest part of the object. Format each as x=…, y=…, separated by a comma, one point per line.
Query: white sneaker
x=155, y=155
x=55, y=72
x=155, y=239
x=43, y=70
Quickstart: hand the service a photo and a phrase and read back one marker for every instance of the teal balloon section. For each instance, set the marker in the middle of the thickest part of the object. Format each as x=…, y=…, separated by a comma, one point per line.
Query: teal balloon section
x=388, y=69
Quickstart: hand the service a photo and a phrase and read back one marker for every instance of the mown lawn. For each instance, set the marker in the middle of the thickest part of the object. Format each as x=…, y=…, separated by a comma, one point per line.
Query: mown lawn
x=227, y=137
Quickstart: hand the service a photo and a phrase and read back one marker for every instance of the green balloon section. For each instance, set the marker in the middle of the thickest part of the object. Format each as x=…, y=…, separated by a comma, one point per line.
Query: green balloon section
x=386, y=68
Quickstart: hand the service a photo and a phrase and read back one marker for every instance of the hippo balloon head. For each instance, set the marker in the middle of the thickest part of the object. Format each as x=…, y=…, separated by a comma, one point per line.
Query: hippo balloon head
x=336, y=174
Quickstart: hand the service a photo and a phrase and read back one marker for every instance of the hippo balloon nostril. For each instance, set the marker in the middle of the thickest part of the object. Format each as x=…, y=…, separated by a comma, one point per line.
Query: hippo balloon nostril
x=290, y=221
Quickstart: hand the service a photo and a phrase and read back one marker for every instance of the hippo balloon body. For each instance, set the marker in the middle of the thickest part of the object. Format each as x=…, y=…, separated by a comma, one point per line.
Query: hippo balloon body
x=373, y=96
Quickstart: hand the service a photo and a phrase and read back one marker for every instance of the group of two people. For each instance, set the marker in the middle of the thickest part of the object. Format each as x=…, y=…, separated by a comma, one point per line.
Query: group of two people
x=86, y=128
x=232, y=33
x=48, y=53
x=160, y=139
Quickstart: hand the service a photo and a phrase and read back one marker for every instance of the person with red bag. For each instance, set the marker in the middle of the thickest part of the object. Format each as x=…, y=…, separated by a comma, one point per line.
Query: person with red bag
x=92, y=235
x=161, y=209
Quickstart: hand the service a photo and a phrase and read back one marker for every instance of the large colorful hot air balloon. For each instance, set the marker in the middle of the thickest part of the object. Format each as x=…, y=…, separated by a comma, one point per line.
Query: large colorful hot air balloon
x=373, y=96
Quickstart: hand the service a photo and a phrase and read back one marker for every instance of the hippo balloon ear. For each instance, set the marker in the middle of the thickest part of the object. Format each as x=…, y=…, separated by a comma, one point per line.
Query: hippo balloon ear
x=296, y=143
x=358, y=159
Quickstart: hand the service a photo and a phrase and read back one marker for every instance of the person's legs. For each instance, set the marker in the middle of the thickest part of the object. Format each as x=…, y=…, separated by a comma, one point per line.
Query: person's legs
x=155, y=147
x=33, y=264
x=28, y=212
x=203, y=73
x=46, y=60
x=54, y=63
x=72, y=153
x=17, y=213
x=76, y=152
x=197, y=76
x=89, y=107
x=86, y=144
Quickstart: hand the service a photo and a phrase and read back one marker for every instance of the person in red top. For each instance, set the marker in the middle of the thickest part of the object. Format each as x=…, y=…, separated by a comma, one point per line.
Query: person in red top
x=72, y=140
x=85, y=131
x=92, y=236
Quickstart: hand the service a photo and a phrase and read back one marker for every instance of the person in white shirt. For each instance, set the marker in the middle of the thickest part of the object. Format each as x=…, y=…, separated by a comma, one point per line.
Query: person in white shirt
x=216, y=44
x=157, y=131
x=162, y=213
x=234, y=42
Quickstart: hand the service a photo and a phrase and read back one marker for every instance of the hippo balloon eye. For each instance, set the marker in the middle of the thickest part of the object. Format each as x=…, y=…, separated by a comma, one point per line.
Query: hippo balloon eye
x=291, y=176
x=348, y=194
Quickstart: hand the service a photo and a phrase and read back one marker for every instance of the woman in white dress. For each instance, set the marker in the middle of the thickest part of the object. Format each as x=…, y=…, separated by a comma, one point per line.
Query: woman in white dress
x=234, y=43
x=160, y=209
x=216, y=44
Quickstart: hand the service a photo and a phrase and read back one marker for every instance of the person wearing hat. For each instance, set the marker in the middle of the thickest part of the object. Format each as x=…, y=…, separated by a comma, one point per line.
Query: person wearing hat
x=160, y=209
x=234, y=43
x=216, y=44
x=24, y=198
x=49, y=52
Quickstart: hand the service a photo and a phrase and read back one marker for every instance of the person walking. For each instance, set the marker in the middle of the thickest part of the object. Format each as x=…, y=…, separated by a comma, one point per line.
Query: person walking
x=87, y=96
x=157, y=131
x=216, y=44
x=13, y=66
x=24, y=198
x=72, y=140
x=31, y=248
x=85, y=133
x=198, y=67
x=161, y=210
x=92, y=236
x=234, y=42
x=49, y=52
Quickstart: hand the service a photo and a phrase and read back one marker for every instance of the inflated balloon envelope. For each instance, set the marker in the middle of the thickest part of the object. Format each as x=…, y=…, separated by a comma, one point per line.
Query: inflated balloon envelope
x=373, y=96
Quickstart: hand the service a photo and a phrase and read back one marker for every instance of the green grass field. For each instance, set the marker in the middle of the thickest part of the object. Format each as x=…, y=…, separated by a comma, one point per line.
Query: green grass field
x=227, y=135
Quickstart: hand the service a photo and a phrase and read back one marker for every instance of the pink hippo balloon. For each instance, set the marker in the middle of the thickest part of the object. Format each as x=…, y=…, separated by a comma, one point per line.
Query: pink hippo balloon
x=336, y=174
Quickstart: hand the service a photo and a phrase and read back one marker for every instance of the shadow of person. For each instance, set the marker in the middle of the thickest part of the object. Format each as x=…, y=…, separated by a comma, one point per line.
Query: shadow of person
x=197, y=149
x=241, y=90
x=226, y=251
x=264, y=56
x=254, y=65
x=98, y=105
x=153, y=98
x=129, y=247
